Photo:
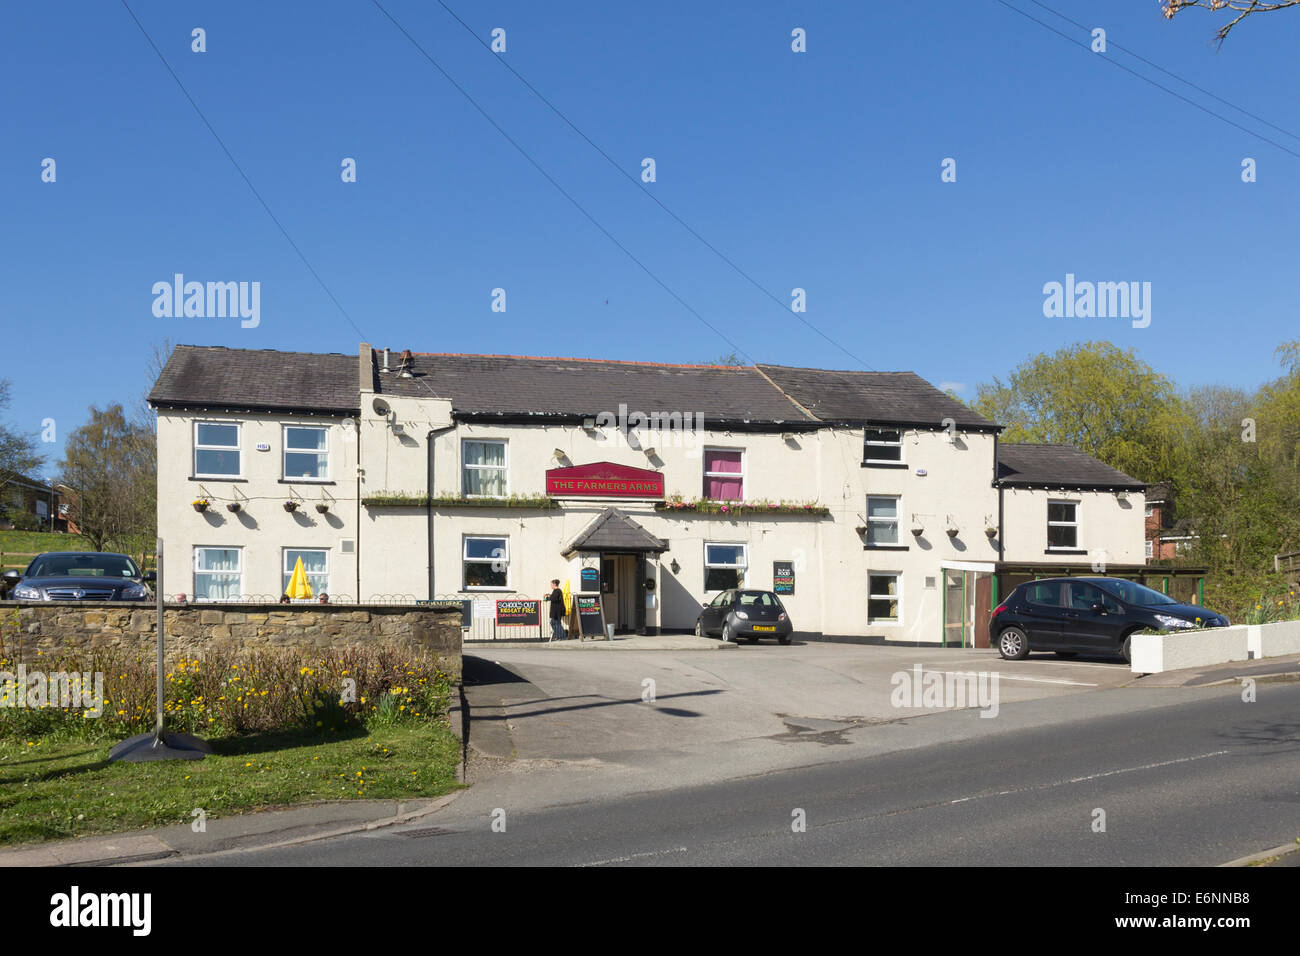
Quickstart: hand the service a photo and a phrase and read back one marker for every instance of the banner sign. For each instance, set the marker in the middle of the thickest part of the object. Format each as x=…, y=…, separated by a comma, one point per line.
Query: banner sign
x=604, y=479
x=783, y=577
x=519, y=612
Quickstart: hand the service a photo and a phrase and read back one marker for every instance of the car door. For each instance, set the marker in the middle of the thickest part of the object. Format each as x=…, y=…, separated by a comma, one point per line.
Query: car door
x=1086, y=629
x=716, y=611
x=1042, y=614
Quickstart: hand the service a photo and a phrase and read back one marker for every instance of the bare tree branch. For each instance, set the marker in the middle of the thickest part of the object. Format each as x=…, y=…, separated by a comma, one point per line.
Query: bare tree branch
x=1242, y=9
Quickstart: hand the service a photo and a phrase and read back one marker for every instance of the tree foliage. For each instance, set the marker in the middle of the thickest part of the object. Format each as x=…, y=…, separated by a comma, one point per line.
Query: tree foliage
x=110, y=467
x=19, y=454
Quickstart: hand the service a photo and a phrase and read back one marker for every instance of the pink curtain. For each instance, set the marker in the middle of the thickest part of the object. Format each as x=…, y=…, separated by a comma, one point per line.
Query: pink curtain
x=723, y=486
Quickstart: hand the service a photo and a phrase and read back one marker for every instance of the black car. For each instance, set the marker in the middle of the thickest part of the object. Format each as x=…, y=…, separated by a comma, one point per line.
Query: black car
x=746, y=615
x=1088, y=616
x=79, y=576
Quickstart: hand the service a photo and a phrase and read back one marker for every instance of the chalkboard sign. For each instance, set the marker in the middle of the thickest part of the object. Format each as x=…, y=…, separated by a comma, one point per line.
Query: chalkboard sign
x=783, y=577
x=590, y=617
x=590, y=579
x=519, y=613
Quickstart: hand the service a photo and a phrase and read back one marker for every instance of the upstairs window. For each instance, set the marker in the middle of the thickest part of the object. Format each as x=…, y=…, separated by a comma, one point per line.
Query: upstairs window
x=306, y=452
x=483, y=468
x=724, y=478
x=216, y=450
x=883, y=446
x=1062, y=525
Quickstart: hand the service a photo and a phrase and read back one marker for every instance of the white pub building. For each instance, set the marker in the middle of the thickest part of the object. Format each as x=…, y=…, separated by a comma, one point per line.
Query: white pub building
x=876, y=505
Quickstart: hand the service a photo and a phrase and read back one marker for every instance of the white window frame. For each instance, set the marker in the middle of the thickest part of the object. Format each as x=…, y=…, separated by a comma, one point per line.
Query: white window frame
x=1151, y=549
x=237, y=447
x=742, y=566
x=505, y=446
x=466, y=559
x=729, y=475
x=285, y=450
x=1151, y=511
x=1075, y=524
x=898, y=521
x=897, y=597
x=194, y=582
x=286, y=571
x=868, y=443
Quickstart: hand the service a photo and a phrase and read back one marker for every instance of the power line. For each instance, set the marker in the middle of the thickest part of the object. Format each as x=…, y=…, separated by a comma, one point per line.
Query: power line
x=1147, y=79
x=234, y=162
x=565, y=193
x=632, y=179
x=1157, y=66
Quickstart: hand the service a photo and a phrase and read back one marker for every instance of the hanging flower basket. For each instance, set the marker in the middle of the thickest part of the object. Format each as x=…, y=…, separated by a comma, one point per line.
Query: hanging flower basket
x=991, y=532
x=291, y=506
x=200, y=504
x=322, y=507
x=233, y=507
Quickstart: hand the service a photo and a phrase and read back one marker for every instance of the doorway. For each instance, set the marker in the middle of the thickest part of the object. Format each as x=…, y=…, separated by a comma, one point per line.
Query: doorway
x=618, y=579
x=966, y=607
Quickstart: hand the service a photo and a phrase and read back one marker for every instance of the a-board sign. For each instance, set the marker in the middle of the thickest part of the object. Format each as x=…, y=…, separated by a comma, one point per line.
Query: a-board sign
x=783, y=577
x=519, y=612
x=590, y=579
x=591, y=619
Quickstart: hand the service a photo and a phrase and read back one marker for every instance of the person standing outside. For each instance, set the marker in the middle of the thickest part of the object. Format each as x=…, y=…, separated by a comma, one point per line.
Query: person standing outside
x=557, y=609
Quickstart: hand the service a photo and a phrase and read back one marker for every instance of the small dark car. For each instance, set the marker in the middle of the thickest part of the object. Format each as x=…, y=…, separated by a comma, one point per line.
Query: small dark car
x=1088, y=616
x=745, y=615
x=79, y=576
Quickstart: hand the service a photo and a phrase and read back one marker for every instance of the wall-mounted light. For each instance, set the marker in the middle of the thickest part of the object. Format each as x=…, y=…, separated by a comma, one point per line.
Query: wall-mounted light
x=589, y=424
x=559, y=454
x=649, y=452
x=787, y=436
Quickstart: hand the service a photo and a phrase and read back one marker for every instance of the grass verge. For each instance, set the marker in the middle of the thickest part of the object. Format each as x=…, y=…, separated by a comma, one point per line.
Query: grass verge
x=58, y=787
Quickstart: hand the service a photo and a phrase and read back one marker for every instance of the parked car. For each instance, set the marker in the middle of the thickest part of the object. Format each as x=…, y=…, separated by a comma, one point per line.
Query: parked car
x=1088, y=616
x=745, y=615
x=80, y=576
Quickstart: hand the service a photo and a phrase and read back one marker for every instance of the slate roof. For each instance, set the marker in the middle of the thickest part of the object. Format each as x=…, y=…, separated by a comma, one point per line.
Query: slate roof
x=1057, y=466
x=902, y=398
x=215, y=377
x=510, y=385
x=612, y=530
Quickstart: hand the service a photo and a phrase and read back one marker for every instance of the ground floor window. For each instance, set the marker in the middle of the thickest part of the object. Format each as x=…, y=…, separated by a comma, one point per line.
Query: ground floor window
x=884, y=597
x=316, y=562
x=486, y=563
x=724, y=566
x=218, y=574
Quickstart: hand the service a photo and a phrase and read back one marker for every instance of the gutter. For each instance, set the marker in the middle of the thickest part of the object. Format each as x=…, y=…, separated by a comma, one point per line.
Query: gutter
x=428, y=497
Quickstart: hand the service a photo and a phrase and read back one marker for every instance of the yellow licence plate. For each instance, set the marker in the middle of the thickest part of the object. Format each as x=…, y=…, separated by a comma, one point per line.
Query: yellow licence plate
x=764, y=627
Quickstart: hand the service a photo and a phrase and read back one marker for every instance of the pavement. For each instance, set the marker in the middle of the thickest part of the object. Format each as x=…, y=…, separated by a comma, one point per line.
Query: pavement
x=661, y=713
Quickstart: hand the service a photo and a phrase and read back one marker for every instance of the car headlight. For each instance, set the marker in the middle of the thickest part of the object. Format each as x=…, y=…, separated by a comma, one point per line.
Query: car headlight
x=744, y=616
x=25, y=593
x=1173, y=623
x=135, y=591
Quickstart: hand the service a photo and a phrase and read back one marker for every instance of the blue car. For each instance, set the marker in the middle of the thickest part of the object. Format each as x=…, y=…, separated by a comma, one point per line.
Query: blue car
x=80, y=576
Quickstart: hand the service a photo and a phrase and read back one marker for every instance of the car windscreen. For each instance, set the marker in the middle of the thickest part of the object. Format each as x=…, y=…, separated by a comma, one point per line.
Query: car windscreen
x=1133, y=593
x=758, y=598
x=83, y=566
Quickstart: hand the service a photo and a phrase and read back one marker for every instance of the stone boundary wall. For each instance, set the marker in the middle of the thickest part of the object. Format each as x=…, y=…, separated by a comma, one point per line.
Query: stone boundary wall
x=193, y=628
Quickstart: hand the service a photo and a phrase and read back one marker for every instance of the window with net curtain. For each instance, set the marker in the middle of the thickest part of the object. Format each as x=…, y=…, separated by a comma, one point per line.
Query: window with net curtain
x=723, y=479
x=483, y=468
x=217, y=574
x=314, y=562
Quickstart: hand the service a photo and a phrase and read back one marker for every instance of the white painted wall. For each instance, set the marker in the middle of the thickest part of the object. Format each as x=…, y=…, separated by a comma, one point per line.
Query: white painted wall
x=1105, y=524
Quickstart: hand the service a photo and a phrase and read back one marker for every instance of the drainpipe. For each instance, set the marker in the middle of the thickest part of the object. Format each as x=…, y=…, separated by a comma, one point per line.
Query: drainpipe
x=428, y=497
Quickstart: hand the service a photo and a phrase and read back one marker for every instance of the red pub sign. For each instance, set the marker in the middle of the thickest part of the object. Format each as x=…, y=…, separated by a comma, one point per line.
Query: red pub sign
x=604, y=479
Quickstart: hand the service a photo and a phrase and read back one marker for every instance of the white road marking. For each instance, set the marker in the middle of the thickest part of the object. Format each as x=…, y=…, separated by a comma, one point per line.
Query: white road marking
x=1002, y=675
x=635, y=856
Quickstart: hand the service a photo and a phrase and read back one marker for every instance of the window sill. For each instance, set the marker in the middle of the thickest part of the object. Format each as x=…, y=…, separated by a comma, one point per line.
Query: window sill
x=882, y=623
x=305, y=481
x=474, y=590
x=899, y=465
x=219, y=478
x=1065, y=551
x=885, y=547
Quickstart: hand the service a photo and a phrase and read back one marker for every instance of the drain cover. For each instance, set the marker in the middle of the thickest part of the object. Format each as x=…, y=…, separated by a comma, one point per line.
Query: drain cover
x=425, y=832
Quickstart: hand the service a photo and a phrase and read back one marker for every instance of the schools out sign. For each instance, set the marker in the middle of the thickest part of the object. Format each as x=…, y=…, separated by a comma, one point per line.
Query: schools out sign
x=604, y=479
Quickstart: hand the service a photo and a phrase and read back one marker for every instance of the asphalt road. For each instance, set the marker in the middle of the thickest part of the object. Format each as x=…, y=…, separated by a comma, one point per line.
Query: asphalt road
x=1199, y=782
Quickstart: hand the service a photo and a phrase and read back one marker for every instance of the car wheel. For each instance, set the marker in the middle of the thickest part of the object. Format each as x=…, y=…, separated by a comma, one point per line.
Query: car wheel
x=699, y=628
x=1126, y=649
x=785, y=638
x=1013, y=645
x=726, y=632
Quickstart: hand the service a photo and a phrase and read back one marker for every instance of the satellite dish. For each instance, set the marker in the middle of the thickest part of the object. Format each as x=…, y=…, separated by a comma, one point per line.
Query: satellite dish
x=381, y=407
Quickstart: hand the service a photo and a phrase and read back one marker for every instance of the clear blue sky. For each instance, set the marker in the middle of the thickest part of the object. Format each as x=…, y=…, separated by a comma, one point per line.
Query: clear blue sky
x=818, y=170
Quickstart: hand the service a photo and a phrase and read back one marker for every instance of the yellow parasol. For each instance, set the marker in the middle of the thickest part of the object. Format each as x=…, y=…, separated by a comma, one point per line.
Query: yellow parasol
x=568, y=598
x=298, y=585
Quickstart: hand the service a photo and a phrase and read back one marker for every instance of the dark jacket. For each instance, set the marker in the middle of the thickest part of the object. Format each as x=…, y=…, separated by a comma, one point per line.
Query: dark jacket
x=557, y=603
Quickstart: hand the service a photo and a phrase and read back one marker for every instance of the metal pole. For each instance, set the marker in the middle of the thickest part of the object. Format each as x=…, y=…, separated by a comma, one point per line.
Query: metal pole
x=159, y=737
